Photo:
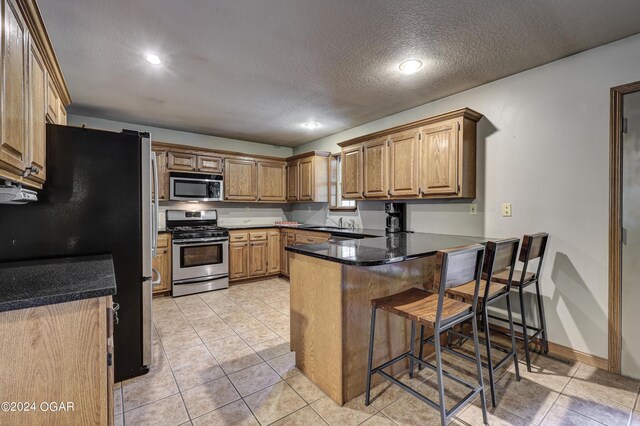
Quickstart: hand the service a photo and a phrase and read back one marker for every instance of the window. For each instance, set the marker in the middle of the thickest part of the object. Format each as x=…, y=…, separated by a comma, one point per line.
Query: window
x=335, y=186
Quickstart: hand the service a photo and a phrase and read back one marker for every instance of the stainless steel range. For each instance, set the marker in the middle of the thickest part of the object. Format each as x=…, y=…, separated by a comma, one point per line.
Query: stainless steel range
x=200, y=251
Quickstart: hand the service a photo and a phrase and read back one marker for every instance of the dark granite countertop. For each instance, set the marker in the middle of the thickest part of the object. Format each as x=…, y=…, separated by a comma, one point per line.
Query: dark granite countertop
x=382, y=250
x=27, y=284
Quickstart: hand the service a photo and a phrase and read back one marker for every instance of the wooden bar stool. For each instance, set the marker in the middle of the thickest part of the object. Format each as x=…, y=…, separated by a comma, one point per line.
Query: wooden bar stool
x=500, y=255
x=454, y=267
x=533, y=247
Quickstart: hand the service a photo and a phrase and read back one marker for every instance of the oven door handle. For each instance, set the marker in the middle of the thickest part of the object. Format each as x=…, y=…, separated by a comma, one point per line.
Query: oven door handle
x=200, y=240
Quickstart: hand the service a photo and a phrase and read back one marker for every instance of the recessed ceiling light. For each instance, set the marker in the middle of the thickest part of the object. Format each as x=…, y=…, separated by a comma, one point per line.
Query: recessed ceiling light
x=153, y=59
x=311, y=125
x=410, y=66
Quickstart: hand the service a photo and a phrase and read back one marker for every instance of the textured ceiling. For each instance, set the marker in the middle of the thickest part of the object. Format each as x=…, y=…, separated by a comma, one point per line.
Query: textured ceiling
x=256, y=69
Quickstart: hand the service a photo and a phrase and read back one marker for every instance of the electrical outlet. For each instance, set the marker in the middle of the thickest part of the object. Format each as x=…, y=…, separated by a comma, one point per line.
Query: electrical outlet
x=506, y=209
x=473, y=209
x=247, y=209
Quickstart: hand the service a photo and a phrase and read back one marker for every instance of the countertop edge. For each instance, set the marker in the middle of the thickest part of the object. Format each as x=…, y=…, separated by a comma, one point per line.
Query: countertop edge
x=36, y=302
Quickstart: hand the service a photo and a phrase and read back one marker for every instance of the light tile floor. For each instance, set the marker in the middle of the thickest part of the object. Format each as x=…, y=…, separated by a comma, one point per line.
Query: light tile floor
x=222, y=358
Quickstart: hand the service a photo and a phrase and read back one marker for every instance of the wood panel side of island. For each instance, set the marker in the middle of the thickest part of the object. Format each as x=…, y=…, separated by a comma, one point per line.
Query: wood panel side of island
x=392, y=334
x=57, y=354
x=316, y=321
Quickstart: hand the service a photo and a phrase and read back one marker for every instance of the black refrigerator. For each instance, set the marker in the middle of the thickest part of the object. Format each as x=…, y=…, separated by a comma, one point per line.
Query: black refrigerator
x=97, y=199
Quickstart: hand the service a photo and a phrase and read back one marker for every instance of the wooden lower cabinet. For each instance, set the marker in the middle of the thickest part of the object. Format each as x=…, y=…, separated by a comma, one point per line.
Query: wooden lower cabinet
x=238, y=260
x=162, y=263
x=255, y=253
x=58, y=353
x=273, y=252
x=257, y=258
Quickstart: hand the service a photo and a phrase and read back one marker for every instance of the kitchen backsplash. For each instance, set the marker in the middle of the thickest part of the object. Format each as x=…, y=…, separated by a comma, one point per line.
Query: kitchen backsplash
x=232, y=213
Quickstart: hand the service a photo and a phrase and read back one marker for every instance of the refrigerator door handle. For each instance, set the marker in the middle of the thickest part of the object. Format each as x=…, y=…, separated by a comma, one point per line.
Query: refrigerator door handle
x=154, y=168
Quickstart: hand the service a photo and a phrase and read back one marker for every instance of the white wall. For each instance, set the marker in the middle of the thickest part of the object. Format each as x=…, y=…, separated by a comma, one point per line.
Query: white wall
x=184, y=138
x=543, y=146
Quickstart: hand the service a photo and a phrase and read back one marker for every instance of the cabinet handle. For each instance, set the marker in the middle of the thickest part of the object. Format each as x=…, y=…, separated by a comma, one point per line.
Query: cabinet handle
x=31, y=170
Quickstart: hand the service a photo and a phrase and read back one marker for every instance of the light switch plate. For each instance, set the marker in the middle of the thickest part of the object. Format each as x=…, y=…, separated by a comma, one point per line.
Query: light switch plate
x=473, y=209
x=506, y=209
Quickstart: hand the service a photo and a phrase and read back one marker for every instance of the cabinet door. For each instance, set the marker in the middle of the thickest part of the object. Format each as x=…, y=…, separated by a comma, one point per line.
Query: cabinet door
x=257, y=258
x=14, y=50
x=209, y=164
x=162, y=263
x=37, y=147
x=238, y=260
x=352, y=172
x=284, y=258
x=292, y=181
x=306, y=182
x=181, y=161
x=403, y=167
x=163, y=175
x=439, y=158
x=62, y=114
x=271, y=181
x=374, y=159
x=240, y=180
x=273, y=252
x=53, y=103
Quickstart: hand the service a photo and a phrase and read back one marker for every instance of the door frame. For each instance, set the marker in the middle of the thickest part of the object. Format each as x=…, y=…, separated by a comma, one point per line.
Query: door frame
x=615, y=224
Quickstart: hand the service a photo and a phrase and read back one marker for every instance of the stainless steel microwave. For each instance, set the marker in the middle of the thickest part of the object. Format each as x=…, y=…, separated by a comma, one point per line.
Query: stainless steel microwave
x=195, y=187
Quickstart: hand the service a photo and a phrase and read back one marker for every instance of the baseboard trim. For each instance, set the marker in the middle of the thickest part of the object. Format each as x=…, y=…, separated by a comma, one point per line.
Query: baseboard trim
x=564, y=351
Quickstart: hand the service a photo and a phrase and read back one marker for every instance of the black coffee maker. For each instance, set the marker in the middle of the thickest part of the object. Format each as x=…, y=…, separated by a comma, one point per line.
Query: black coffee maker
x=396, y=217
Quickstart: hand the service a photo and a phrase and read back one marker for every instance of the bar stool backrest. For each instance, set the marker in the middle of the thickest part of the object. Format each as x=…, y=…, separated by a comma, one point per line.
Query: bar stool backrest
x=533, y=247
x=500, y=255
x=455, y=267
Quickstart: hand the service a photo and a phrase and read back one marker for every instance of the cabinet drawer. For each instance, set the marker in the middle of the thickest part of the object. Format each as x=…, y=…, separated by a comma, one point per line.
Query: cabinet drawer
x=258, y=236
x=239, y=236
x=163, y=240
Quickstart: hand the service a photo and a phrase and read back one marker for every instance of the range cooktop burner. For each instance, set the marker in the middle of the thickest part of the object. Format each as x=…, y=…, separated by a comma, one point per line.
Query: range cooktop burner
x=196, y=228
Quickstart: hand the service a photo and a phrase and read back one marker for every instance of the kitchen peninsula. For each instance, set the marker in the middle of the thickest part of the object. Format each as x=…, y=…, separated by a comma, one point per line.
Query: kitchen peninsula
x=332, y=285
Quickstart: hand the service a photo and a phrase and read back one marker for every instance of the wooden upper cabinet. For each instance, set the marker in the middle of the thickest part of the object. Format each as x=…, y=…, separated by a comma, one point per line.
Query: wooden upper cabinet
x=53, y=103
x=352, y=172
x=271, y=181
x=292, y=181
x=439, y=158
x=403, y=163
x=305, y=170
x=37, y=147
x=240, y=180
x=62, y=114
x=430, y=158
x=209, y=164
x=375, y=168
x=163, y=175
x=14, y=55
x=32, y=93
x=181, y=161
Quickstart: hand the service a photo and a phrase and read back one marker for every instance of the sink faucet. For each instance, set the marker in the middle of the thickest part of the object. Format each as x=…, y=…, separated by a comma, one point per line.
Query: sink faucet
x=339, y=222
